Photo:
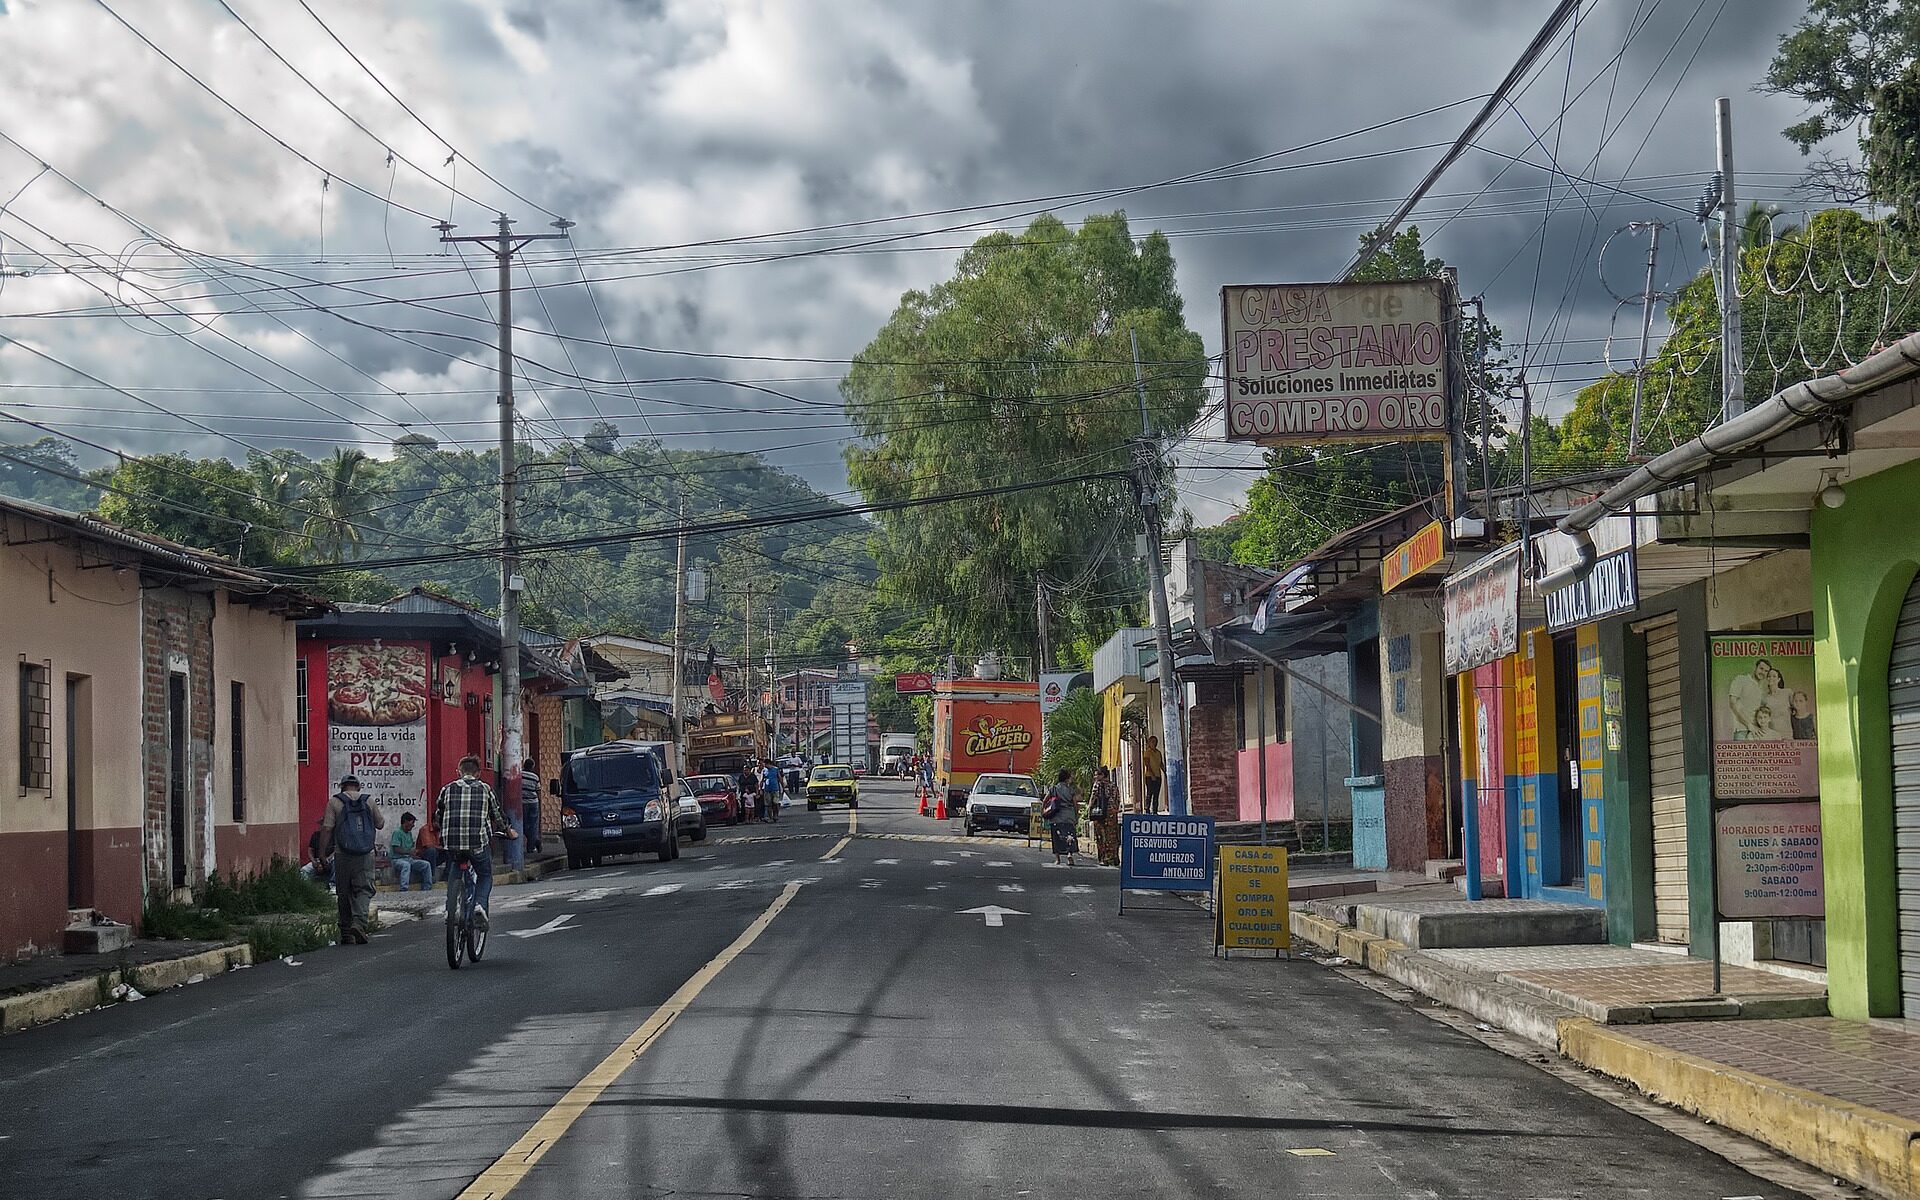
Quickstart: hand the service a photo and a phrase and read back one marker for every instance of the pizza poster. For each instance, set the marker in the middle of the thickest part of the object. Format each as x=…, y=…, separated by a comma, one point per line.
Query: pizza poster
x=1765, y=744
x=377, y=726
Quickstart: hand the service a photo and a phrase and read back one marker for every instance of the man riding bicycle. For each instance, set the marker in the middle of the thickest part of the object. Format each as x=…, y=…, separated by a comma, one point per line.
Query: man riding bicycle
x=467, y=814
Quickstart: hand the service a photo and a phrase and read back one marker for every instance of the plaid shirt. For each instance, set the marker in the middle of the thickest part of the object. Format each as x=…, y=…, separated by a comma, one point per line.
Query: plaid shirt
x=466, y=812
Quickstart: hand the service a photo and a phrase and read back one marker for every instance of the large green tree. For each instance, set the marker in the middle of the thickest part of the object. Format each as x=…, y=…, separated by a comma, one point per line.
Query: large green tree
x=1017, y=369
x=1838, y=58
x=207, y=503
x=341, y=508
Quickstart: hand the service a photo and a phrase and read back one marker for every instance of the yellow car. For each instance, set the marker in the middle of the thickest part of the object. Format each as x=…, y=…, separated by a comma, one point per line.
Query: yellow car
x=832, y=784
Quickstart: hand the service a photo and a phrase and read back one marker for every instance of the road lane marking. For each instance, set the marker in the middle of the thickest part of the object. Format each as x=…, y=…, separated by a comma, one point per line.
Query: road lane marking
x=554, y=926
x=510, y=1168
x=1310, y=1152
x=999, y=864
x=664, y=889
x=886, y=862
x=853, y=829
x=993, y=913
x=731, y=884
x=1011, y=887
x=598, y=893
x=942, y=862
x=1075, y=889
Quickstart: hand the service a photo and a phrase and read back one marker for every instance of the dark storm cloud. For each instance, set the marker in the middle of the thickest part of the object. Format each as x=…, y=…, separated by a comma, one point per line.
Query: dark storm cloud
x=660, y=123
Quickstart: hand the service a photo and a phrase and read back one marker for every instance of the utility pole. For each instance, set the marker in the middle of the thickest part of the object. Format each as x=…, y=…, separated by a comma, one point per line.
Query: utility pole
x=1043, y=652
x=746, y=651
x=1653, y=229
x=1732, y=373
x=506, y=244
x=1146, y=462
x=773, y=684
x=1478, y=384
x=678, y=723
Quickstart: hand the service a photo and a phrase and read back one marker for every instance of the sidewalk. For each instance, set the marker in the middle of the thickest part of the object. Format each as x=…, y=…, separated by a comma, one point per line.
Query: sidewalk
x=1762, y=1058
x=59, y=985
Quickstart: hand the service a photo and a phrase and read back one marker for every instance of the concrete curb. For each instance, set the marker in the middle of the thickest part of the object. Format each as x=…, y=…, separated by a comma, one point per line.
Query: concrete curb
x=1874, y=1149
x=79, y=995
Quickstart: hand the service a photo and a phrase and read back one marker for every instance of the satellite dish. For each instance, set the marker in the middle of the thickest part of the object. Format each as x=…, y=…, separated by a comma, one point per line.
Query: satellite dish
x=621, y=720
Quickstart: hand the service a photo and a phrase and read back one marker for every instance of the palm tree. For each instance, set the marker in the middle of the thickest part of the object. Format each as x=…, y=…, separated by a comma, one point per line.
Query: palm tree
x=339, y=509
x=278, y=490
x=1073, y=738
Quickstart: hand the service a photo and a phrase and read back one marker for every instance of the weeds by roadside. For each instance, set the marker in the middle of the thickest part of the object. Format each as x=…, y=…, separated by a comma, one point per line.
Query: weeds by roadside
x=275, y=910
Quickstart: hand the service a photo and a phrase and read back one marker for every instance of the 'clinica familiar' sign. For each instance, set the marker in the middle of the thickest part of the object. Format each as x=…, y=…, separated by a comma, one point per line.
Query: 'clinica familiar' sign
x=1612, y=586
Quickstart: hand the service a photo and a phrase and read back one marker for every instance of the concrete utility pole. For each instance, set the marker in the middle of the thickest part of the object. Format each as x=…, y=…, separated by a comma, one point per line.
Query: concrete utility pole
x=1042, y=651
x=1173, y=733
x=677, y=723
x=505, y=244
x=746, y=652
x=1653, y=229
x=1732, y=373
x=1478, y=386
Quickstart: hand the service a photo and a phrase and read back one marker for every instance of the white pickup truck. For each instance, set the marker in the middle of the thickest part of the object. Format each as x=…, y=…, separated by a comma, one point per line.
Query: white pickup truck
x=1001, y=803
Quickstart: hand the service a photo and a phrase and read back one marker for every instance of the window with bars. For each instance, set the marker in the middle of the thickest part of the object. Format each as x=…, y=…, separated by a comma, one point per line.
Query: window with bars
x=237, y=705
x=300, y=710
x=36, y=726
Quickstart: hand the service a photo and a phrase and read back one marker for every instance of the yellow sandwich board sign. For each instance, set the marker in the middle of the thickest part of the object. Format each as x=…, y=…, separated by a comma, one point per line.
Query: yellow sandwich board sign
x=1250, y=901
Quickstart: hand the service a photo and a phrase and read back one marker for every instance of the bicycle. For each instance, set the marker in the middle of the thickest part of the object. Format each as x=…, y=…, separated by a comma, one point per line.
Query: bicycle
x=463, y=936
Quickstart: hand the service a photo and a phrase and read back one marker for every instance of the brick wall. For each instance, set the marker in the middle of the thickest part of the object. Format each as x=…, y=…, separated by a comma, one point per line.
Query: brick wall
x=552, y=711
x=176, y=627
x=1213, y=774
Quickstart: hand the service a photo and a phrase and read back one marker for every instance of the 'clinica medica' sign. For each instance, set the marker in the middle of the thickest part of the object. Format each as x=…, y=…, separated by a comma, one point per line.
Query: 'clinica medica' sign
x=1611, y=587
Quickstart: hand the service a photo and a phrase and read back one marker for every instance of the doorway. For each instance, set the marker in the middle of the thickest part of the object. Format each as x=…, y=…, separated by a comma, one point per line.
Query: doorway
x=178, y=832
x=79, y=775
x=1568, y=866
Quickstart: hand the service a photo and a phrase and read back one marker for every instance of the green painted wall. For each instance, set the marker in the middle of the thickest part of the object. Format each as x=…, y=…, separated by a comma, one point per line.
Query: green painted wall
x=1864, y=558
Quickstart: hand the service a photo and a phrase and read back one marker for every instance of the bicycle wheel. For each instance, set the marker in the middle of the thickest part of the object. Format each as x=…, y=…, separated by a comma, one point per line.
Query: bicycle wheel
x=476, y=942
x=455, y=943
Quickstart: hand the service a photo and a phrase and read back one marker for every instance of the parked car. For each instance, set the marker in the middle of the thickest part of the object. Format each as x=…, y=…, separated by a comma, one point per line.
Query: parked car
x=718, y=798
x=612, y=802
x=1001, y=802
x=832, y=783
x=693, y=822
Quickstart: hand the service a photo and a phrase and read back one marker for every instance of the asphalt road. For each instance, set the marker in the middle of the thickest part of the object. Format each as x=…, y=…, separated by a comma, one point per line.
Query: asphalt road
x=870, y=1040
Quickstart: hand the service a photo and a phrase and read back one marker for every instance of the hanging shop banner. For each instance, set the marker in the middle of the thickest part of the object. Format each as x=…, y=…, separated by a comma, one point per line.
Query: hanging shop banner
x=1769, y=861
x=1610, y=587
x=1483, y=612
x=1054, y=686
x=1765, y=746
x=1421, y=552
x=377, y=725
x=1321, y=362
x=1250, y=905
x=1165, y=853
x=912, y=683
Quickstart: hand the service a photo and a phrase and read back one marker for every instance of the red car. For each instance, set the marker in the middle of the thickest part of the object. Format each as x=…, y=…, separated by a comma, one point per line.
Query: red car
x=718, y=797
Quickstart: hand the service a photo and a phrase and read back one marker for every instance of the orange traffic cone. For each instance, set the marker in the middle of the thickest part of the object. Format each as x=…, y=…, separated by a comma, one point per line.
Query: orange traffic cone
x=923, y=800
x=940, y=807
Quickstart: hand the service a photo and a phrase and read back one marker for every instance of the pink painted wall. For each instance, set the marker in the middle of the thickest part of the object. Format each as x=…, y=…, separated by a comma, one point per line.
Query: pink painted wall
x=1279, y=768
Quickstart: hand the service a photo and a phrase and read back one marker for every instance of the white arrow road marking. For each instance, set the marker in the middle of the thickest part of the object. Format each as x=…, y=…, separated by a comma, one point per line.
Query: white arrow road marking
x=999, y=864
x=942, y=862
x=968, y=853
x=1076, y=889
x=665, y=889
x=829, y=860
x=934, y=887
x=780, y=862
x=886, y=862
x=807, y=879
x=599, y=893
x=1011, y=887
x=553, y=926
x=993, y=913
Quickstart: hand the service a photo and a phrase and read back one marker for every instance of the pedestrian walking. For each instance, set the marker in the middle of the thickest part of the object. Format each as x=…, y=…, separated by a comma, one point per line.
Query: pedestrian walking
x=1153, y=765
x=1061, y=809
x=530, y=805
x=1103, y=814
x=350, y=826
x=468, y=813
x=770, y=792
x=750, y=788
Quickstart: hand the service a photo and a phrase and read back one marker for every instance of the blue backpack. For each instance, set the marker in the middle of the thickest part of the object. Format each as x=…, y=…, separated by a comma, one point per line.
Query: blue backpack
x=353, y=832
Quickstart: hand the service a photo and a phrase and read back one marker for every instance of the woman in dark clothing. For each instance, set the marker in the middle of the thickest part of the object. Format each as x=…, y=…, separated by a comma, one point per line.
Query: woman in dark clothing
x=1062, y=812
x=1103, y=814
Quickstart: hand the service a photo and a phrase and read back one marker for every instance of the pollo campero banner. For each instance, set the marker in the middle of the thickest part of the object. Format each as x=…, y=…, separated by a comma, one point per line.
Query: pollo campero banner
x=991, y=736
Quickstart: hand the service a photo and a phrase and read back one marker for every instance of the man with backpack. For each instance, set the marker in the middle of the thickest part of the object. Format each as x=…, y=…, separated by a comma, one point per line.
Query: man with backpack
x=349, y=827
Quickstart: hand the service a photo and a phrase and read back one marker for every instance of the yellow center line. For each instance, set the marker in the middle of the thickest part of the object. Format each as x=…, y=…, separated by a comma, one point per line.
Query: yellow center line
x=853, y=828
x=510, y=1168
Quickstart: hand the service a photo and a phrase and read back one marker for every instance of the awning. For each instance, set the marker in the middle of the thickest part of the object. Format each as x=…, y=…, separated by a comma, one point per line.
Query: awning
x=1287, y=636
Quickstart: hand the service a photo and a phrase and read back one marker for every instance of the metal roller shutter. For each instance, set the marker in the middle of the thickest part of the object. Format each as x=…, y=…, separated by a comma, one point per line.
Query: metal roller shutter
x=1903, y=696
x=1667, y=775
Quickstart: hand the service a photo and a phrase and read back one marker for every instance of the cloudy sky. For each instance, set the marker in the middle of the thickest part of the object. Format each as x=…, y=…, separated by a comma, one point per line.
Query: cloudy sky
x=654, y=124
